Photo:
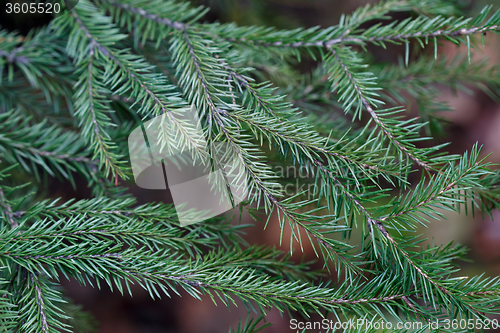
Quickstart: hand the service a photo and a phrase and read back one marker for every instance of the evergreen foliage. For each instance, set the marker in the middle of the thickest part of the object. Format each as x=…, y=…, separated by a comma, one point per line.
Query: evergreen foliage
x=71, y=92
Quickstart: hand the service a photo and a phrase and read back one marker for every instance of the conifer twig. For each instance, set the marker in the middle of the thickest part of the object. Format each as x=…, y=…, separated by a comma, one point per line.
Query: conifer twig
x=7, y=210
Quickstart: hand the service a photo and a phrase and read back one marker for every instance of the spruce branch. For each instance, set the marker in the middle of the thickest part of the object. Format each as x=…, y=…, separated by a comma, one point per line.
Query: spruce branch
x=39, y=305
x=134, y=71
x=420, y=28
x=269, y=197
x=215, y=279
x=326, y=38
x=288, y=128
x=222, y=271
x=398, y=251
x=216, y=110
x=130, y=61
x=92, y=110
x=421, y=79
x=7, y=210
x=152, y=225
x=44, y=67
x=426, y=28
x=351, y=85
x=40, y=302
x=450, y=189
x=8, y=315
x=55, y=150
x=18, y=95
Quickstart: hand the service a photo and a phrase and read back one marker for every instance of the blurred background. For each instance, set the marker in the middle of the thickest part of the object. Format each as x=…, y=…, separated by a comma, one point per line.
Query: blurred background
x=475, y=117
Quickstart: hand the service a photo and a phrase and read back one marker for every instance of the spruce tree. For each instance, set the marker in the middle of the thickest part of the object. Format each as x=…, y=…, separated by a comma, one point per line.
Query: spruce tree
x=72, y=91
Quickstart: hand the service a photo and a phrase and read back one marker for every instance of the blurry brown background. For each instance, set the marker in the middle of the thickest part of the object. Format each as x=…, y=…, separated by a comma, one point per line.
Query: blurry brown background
x=475, y=118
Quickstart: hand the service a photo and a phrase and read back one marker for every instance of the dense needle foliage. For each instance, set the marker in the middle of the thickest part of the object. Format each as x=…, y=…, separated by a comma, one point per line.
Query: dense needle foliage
x=72, y=91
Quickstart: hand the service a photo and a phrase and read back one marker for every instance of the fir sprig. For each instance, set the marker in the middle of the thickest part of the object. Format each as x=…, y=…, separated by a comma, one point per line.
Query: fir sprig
x=71, y=93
